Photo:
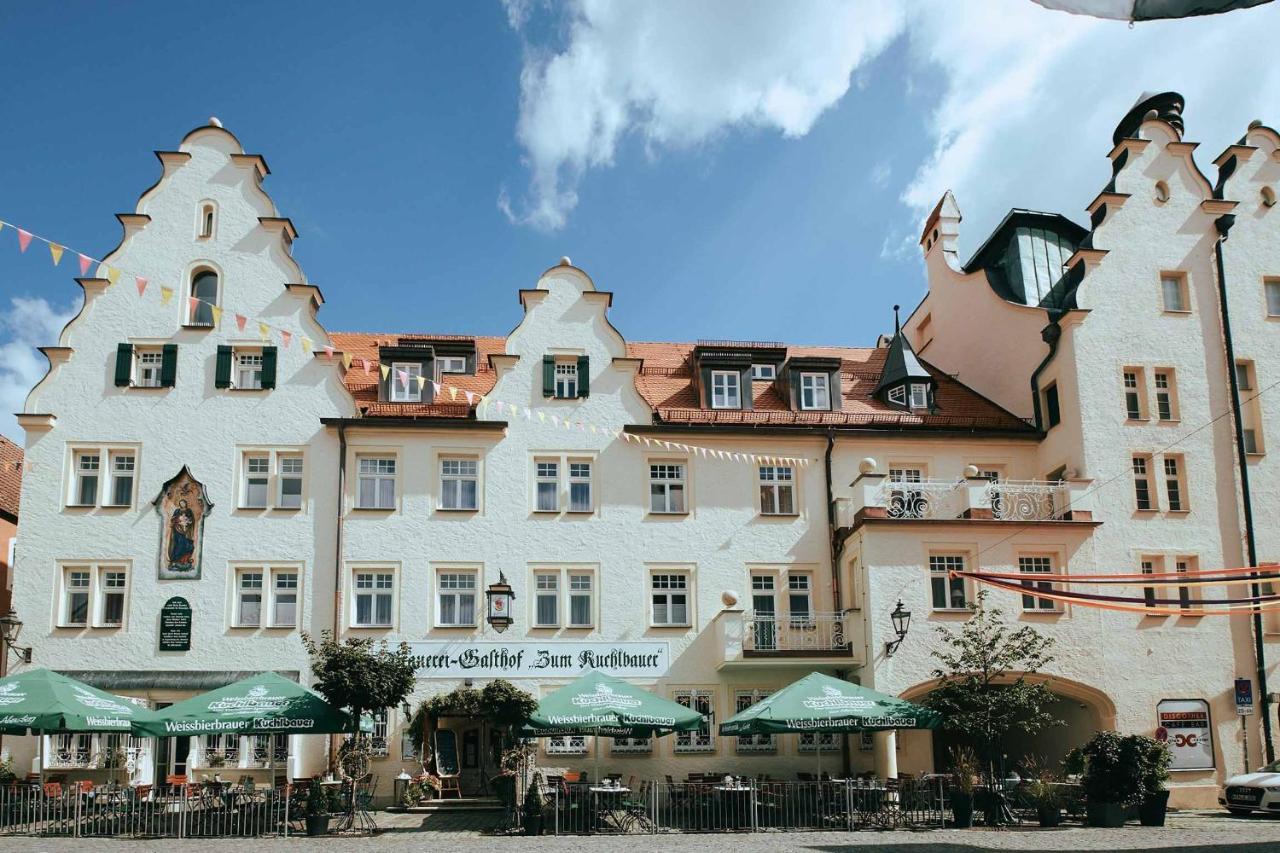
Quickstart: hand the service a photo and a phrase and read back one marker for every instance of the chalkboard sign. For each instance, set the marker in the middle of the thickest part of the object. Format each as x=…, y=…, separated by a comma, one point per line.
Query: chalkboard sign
x=175, y=625
x=446, y=753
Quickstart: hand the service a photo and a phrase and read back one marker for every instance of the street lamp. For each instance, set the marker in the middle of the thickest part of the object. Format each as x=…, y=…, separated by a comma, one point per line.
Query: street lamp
x=500, y=597
x=901, y=620
x=10, y=628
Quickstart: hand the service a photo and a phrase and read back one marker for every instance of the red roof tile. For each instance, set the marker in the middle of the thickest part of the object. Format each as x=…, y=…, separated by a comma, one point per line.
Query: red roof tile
x=10, y=476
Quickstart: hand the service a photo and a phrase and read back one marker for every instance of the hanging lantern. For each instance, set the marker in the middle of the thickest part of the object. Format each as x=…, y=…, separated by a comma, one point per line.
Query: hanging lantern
x=500, y=598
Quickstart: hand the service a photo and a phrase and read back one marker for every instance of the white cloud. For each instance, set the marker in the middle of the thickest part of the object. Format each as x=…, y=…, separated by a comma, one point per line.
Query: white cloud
x=880, y=174
x=29, y=323
x=677, y=74
x=1024, y=117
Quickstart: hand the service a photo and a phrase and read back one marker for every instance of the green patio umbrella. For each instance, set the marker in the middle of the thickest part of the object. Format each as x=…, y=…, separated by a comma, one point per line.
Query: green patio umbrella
x=599, y=704
x=819, y=703
x=266, y=703
x=40, y=700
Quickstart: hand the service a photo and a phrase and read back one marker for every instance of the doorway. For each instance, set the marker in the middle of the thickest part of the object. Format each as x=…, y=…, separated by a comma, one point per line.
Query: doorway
x=171, y=753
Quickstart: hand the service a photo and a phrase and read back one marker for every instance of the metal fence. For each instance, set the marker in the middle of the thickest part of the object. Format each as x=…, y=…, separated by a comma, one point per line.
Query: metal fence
x=179, y=811
x=746, y=806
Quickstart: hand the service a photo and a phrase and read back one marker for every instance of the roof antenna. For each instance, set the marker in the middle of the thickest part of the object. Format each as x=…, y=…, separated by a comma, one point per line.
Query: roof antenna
x=896, y=327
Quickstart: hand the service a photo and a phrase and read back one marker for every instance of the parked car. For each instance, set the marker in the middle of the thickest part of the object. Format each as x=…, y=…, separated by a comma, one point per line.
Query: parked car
x=1253, y=792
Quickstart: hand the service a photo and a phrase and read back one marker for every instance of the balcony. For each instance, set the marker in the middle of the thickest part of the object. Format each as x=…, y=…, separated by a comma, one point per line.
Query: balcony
x=750, y=637
x=876, y=496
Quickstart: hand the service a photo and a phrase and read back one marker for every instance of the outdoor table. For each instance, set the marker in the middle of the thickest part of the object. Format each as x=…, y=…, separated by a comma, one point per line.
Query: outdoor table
x=604, y=813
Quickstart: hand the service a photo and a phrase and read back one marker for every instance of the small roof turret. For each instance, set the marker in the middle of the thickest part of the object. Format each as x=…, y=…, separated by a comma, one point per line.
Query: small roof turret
x=901, y=365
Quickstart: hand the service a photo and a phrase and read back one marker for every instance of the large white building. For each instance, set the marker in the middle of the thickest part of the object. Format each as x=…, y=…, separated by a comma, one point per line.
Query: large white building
x=1055, y=405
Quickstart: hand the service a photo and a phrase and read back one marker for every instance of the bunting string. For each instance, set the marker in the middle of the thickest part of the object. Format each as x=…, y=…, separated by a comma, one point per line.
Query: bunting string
x=481, y=402
x=1150, y=605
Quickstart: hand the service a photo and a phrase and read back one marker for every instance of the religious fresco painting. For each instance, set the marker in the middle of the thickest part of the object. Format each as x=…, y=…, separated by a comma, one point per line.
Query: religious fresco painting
x=183, y=506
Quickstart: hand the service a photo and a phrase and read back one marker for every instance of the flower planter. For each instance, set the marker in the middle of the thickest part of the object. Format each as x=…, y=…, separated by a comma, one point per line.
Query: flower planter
x=1152, y=809
x=1049, y=816
x=317, y=824
x=1109, y=815
x=962, y=810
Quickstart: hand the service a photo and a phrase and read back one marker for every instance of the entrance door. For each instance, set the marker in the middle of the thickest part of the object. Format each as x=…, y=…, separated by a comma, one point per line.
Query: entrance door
x=764, y=612
x=171, y=753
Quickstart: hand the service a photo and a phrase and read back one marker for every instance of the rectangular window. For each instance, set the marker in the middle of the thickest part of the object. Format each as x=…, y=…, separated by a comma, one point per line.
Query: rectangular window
x=818, y=742
x=1151, y=566
x=777, y=495
x=1173, y=486
x=86, y=483
x=113, y=585
x=459, y=484
x=123, y=464
x=800, y=600
x=580, y=499
x=403, y=382
x=451, y=364
x=1142, y=482
x=1032, y=566
x=1133, y=407
x=1053, y=415
x=764, y=372
x=457, y=598
x=249, y=598
x=666, y=487
x=670, y=598
x=257, y=473
x=546, y=599
x=290, y=482
x=703, y=738
x=284, y=600
x=1250, y=407
x=948, y=593
x=1187, y=595
x=1166, y=395
x=742, y=700
x=548, y=486
x=581, y=607
x=374, y=599
x=1273, y=298
x=919, y=395
x=567, y=745
x=905, y=501
x=1173, y=292
x=249, y=371
x=376, y=487
x=815, y=392
x=566, y=380
x=147, y=373
x=379, y=744
x=726, y=389
x=631, y=745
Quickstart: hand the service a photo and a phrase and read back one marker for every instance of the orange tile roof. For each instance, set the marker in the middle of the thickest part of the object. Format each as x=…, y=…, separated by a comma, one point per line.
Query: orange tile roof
x=666, y=381
x=10, y=476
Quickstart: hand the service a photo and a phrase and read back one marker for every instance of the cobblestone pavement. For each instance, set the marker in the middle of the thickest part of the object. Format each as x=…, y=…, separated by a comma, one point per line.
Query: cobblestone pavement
x=1199, y=832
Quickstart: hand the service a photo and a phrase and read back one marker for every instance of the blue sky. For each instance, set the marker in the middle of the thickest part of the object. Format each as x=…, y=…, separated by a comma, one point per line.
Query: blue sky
x=754, y=171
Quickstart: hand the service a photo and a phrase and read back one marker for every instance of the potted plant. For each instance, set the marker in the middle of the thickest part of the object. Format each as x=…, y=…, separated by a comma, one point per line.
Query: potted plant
x=1110, y=780
x=964, y=772
x=1043, y=791
x=213, y=758
x=317, y=811
x=1152, y=760
x=533, y=808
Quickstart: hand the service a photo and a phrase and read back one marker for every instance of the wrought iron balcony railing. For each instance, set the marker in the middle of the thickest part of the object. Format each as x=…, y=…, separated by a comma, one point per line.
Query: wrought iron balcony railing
x=810, y=632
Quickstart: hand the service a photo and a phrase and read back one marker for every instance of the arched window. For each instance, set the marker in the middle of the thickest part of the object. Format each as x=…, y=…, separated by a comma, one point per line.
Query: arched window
x=204, y=227
x=204, y=287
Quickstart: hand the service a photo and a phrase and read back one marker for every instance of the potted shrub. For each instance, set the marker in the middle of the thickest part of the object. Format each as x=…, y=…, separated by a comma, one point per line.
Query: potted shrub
x=1110, y=780
x=1152, y=760
x=1044, y=793
x=533, y=808
x=317, y=812
x=964, y=772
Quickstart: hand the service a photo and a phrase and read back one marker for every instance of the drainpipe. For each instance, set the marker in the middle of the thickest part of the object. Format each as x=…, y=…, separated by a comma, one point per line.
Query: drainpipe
x=837, y=551
x=337, y=558
x=1050, y=334
x=1223, y=225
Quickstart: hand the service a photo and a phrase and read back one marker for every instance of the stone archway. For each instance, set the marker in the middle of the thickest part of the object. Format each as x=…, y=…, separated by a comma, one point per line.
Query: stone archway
x=1084, y=709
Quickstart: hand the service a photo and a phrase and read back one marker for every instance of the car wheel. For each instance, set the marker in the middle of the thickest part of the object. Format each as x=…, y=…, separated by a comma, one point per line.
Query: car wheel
x=1239, y=812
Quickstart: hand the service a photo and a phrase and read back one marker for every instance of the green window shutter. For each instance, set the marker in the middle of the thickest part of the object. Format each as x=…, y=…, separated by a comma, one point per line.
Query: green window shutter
x=169, y=366
x=222, y=373
x=124, y=365
x=268, y=367
x=584, y=375
x=548, y=376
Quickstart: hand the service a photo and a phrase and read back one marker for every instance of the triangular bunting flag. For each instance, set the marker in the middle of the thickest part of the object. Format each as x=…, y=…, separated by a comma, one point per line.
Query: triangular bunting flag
x=555, y=421
x=56, y=251
x=285, y=337
x=217, y=314
x=385, y=370
x=453, y=393
x=141, y=283
x=240, y=321
x=366, y=364
x=166, y=293
x=542, y=417
x=24, y=240
x=528, y=415
x=85, y=260
x=346, y=358
x=264, y=331
x=306, y=343
x=113, y=275
x=403, y=376
x=471, y=397
x=422, y=381
x=193, y=304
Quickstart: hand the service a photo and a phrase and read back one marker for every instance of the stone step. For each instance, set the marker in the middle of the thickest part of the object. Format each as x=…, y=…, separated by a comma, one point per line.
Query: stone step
x=468, y=805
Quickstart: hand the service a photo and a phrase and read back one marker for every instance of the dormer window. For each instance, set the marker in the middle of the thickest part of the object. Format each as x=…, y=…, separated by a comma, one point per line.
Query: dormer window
x=764, y=372
x=403, y=382
x=451, y=364
x=919, y=395
x=898, y=395
x=815, y=392
x=726, y=389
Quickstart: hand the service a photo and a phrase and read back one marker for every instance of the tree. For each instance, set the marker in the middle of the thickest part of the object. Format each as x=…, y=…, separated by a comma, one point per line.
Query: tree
x=983, y=691
x=360, y=675
x=500, y=703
